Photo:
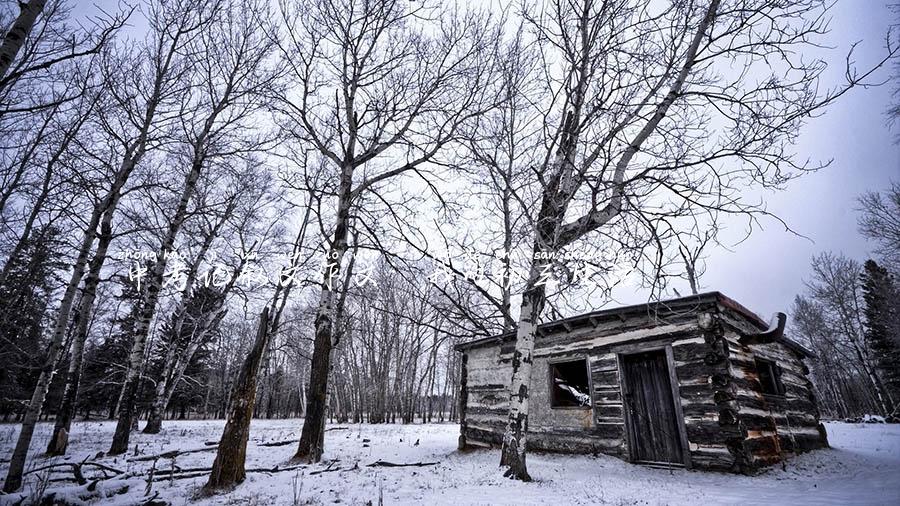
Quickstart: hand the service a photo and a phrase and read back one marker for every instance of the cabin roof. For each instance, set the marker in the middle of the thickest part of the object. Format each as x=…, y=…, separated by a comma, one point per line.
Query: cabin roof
x=661, y=309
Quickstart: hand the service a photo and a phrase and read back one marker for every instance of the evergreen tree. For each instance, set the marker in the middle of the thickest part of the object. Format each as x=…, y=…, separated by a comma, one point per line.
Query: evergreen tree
x=103, y=372
x=203, y=301
x=179, y=334
x=26, y=294
x=882, y=328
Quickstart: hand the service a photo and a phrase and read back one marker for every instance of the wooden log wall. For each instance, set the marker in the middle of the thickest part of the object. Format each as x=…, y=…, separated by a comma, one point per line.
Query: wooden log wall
x=600, y=429
x=487, y=397
x=707, y=399
x=729, y=424
x=776, y=426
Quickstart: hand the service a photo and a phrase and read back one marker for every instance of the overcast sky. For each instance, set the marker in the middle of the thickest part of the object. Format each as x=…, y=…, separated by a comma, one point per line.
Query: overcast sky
x=766, y=271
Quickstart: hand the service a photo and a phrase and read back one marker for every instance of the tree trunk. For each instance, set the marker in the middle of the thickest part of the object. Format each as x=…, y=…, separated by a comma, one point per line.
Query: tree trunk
x=514, y=440
x=171, y=375
x=312, y=436
x=60, y=439
x=33, y=412
x=228, y=467
x=159, y=402
x=877, y=388
x=16, y=36
x=148, y=309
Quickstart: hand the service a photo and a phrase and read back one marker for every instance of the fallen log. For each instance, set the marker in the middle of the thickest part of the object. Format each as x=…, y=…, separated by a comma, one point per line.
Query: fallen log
x=198, y=472
x=78, y=476
x=71, y=497
x=278, y=443
x=103, y=467
x=291, y=441
x=172, y=454
x=50, y=466
x=168, y=477
x=331, y=469
x=275, y=469
x=384, y=463
x=157, y=474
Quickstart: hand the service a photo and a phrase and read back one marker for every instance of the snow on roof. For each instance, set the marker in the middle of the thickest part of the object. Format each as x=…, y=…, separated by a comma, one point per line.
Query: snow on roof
x=661, y=308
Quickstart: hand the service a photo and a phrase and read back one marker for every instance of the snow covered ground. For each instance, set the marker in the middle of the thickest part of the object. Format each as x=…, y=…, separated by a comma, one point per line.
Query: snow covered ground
x=863, y=467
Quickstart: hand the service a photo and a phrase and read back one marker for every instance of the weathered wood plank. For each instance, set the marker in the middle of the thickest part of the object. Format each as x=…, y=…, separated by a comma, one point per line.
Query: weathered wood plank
x=607, y=411
x=696, y=392
x=606, y=379
x=700, y=409
x=709, y=432
x=689, y=352
x=713, y=459
x=604, y=364
x=607, y=397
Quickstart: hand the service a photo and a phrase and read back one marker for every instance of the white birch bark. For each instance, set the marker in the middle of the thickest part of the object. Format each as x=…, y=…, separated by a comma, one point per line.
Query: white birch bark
x=16, y=36
x=33, y=412
x=149, y=301
x=59, y=441
x=168, y=380
x=55, y=348
x=551, y=235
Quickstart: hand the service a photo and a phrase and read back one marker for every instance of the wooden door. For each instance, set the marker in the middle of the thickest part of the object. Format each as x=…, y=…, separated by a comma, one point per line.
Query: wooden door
x=653, y=430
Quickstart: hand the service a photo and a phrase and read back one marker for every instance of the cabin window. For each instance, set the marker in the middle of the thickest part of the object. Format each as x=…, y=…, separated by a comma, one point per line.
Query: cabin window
x=770, y=377
x=569, y=384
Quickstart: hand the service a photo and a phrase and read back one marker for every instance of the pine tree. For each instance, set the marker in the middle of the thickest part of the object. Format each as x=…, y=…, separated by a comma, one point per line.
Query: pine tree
x=103, y=373
x=26, y=294
x=882, y=329
x=182, y=353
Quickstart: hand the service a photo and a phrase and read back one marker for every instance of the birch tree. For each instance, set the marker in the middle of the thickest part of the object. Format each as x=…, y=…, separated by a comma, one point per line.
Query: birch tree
x=43, y=47
x=879, y=221
x=100, y=215
x=226, y=69
x=834, y=309
x=380, y=88
x=177, y=358
x=244, y=204
x=141, y=85
x=658, y=110
x=15, y=37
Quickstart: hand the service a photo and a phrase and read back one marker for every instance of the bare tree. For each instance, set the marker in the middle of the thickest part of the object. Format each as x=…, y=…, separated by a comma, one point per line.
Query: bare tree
x=228, y=466
x=15, y=37
x=381, y=87
x=177, y=358
x=246, y=204
x=99, y=217
x=880, y=221
x=500, y=152
x=229, y=78
x=41, y=48
x=650, y=123
x=831, y=318
x=692, y=245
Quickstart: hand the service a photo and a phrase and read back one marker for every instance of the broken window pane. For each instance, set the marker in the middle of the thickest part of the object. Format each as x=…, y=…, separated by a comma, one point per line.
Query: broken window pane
x=769, y=377
x=570, y=387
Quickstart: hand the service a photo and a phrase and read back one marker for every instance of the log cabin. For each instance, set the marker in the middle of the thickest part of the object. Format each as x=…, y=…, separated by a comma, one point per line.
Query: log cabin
x=698, y=382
